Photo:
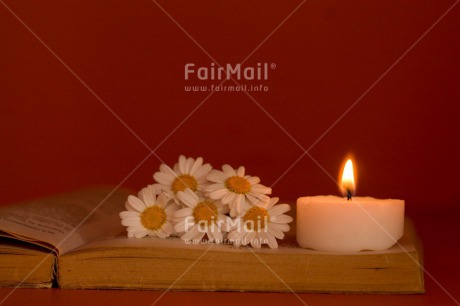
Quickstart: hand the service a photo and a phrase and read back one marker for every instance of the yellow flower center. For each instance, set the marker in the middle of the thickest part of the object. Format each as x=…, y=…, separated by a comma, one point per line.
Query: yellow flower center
x=184, y=181
x=153, y=217
x=205, y=213
x=238, y=184
x=256, y=218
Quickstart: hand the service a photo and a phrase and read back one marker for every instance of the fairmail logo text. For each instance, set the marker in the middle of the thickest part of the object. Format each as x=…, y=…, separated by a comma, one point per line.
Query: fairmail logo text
x=227, y=72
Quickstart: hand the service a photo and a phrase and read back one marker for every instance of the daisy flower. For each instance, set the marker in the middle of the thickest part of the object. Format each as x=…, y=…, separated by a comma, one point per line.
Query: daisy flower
x=262, y=223
x=234, y=188
x=200, y=216
x=187, y=173
x=148, y=215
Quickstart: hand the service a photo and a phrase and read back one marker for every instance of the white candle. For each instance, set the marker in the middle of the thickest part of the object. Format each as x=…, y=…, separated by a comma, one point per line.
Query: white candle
x=336, y=224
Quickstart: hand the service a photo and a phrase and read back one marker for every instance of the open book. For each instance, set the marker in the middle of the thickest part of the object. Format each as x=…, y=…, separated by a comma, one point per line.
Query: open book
x=76, y=240
x=53, y=227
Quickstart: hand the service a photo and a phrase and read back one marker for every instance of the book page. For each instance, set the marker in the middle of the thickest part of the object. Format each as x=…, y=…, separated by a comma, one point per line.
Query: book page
x=65, y=222
x=286, y=246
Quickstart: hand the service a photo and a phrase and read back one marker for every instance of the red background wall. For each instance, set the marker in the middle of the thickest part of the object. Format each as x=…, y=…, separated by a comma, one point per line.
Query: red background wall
x=56, y=135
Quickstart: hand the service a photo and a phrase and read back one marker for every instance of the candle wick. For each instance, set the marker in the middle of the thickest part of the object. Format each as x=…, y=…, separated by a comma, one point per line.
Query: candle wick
x=348, y=194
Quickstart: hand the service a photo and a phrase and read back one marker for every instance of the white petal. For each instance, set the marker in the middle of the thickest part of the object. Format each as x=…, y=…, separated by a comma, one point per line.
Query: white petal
x=214, y=187
x=147, y=196
x=270, y=202
x=163, y=178
x=188, y=197
x=218, y=237
x=129, y=214
x=176, y=169
x=202, y=180
x=240, y=171
x=203, y=171
x=218, y=194
x=217, y=176
x=259, y=188
x=168, y=228
x=182, y=161
x=240, y=202
x=180, y=226
x=279, y=209
x=233, y=210
x=134, y=228
x=281, y=226
x=276, y=232
x=130, y=222
x=281, y=219
x=151, y=233
x=167, y=170
x=196, y=165
x=199, y=237
x=253, y=180
x=188, y=164
x=210, y=234
x=237, y=242
x=229, y=197
x=223, y=209
x=257, y=199
x=243, y=239
x=228, y=170
x=224, y=223
x=249, y=237
x=161, y=187
x=161, y=234
x=183, y=212
x=191, y=233
x=255, y=242
x=140, y=234
x=171, y=209
x=271, y=241
x=162, y=200
x=262, y=235
x=234, y=234
x=247, y=205
x=153, y=188
x=136, y=204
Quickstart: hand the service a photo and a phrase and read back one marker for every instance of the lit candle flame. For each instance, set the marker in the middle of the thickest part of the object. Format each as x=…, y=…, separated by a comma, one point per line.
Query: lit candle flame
x=348, y=180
